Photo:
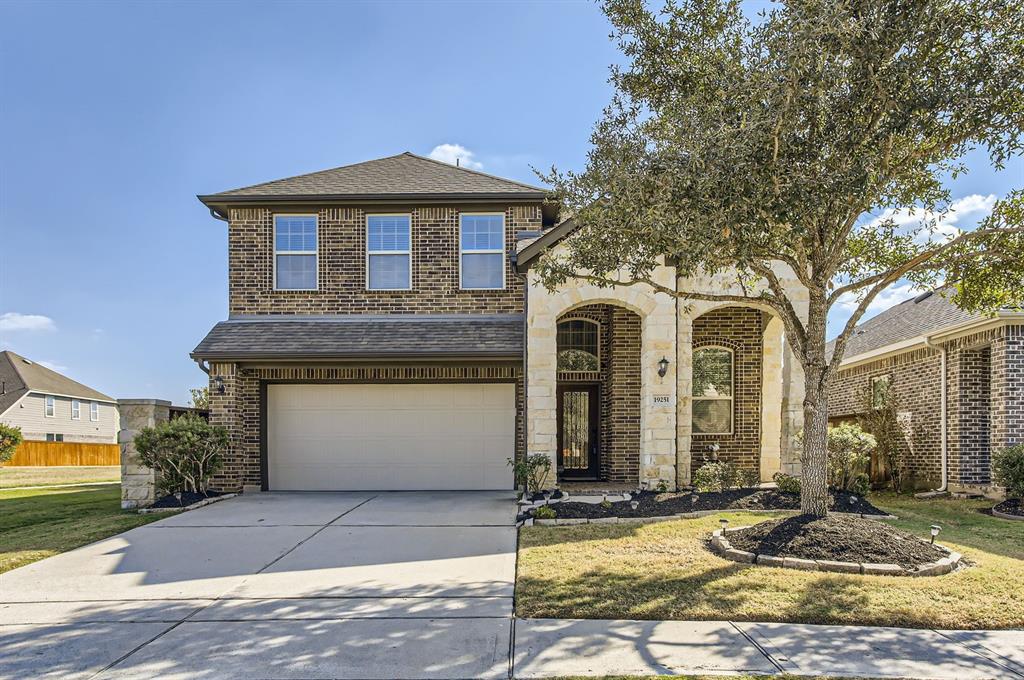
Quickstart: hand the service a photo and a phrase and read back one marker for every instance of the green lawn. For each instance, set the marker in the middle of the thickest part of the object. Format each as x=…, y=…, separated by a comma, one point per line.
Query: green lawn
x=38, y=523
x=663, y=571
x=11, y=477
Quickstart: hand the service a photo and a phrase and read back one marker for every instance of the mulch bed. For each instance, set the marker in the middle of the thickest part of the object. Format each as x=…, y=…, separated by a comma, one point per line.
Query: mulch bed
x=1011, y=506
x=187, y=498
x=652, y=504
x=836, y=537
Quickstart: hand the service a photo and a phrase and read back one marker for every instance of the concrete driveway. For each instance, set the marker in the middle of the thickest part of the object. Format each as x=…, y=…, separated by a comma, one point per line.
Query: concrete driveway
x=277, y=585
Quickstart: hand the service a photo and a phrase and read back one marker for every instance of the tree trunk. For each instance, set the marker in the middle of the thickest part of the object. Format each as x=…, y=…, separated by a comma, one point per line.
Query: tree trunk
x=814, y=458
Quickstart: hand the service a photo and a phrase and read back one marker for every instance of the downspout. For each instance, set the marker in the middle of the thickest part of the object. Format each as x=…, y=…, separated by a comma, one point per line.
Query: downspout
x=943, y=417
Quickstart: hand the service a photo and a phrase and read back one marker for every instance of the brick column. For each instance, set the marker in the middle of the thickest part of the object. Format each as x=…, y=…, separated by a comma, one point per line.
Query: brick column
x=1007, y=397
x=684, y=397
x=138, y=483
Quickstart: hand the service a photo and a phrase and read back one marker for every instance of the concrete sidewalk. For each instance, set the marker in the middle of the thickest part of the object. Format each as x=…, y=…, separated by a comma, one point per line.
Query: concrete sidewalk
x=552, y=647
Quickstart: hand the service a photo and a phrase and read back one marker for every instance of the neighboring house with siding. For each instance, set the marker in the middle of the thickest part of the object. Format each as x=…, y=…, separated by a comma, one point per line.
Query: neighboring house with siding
x=925, y=349
x=387, y=330
x=48, y=406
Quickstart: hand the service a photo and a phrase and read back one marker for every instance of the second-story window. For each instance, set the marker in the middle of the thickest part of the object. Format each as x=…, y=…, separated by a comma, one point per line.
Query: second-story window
x=49, y=407
x=388, y=259
x=76, y=409
x=481, y=251
x=94, y=411
x=295, y=252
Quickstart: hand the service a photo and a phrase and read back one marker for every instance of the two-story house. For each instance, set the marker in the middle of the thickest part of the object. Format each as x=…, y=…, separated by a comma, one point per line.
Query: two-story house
x=386, y=331
x=48, y=406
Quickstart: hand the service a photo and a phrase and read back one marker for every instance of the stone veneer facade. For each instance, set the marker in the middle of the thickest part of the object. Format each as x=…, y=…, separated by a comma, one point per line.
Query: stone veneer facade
x=984, y=402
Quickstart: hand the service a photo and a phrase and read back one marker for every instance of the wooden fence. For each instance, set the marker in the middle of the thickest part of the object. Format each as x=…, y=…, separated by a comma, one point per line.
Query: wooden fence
x=32, y=453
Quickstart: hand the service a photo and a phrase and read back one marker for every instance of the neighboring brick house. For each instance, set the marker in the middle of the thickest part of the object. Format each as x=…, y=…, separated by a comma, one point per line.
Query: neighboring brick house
x=386, y=331
x=926, y=347
x=48, y=406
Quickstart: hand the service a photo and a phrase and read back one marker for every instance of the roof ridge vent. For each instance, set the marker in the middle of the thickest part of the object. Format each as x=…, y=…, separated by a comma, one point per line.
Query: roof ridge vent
x=923, y=296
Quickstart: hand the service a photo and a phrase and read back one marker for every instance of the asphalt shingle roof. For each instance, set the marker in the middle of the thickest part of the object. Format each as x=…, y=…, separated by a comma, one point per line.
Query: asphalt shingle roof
x=403, y=175
x=364, y=336
x=20, y=376
x=922, y=315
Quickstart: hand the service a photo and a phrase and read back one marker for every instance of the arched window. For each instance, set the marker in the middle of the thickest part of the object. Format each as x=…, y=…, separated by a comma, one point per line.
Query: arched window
x=712, y=390
x=577, y=345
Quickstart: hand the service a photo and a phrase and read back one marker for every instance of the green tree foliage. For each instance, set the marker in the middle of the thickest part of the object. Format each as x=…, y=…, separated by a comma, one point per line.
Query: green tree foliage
x=880, y=416
x=10, y=439
x=186, y=451
x=757, y=150
x=849, y=452
x=200, y=397
x=1008, y=470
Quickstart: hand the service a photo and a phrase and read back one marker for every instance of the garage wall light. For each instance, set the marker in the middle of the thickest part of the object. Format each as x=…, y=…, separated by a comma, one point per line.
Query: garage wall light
x=218, y=385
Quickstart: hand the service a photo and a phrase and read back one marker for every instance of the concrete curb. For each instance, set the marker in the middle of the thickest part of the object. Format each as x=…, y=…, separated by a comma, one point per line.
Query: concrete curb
x=720, y=545
x=197, y=504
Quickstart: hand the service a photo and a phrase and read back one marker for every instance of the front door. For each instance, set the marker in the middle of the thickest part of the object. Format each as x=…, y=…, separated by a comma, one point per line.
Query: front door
x=578, y=416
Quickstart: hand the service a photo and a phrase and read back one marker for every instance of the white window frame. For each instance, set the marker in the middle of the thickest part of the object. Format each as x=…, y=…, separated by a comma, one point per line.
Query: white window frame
x=94, y=411
x=49, y=406
x=731, y=398
x=315, y=253
x=76, y=409
x=407, y=253
x=499, y=251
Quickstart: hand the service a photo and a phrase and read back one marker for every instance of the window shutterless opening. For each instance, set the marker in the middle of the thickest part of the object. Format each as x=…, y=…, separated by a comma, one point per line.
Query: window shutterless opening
x=295, y=252
x=389, y=252
x=482, y=251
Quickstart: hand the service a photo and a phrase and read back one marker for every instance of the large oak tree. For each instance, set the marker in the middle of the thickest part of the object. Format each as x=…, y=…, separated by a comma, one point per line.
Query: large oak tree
x=731, y=144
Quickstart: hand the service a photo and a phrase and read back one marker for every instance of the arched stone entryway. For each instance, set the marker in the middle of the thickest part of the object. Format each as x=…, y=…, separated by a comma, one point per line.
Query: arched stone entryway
x=598, y=394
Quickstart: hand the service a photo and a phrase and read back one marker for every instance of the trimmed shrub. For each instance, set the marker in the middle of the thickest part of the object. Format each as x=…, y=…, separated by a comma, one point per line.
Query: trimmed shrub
x=787, y=483
x=186, y=451
x=532, y=471
x=10, y=439
x=544, y=512
x=849, y=453
x=748, y=479
x=1008, y=470
x=716, y=476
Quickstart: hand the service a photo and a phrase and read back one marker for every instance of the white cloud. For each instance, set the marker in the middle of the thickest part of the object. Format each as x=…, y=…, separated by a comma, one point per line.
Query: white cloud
x=13, y=321
x=450, y=153
x=963, y=214
x=53, y=366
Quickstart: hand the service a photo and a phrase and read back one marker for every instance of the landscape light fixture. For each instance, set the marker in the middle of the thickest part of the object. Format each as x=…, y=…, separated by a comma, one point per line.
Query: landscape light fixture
x=935, y=531
x=724, y=523
x=634, y=504
x=662, y=367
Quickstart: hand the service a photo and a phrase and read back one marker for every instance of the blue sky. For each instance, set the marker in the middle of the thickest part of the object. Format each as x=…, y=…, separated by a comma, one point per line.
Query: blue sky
x=114, y=115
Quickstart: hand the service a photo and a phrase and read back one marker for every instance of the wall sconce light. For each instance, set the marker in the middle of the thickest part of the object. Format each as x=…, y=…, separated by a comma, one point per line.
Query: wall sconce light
x=662, y=367
x=218, y=385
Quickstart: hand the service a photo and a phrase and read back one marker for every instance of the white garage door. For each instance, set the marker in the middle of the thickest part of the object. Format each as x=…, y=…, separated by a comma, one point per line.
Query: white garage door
x=390, y=437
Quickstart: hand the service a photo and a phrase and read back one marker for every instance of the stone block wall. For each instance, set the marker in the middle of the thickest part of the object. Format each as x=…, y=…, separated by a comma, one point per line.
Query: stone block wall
x=138, y=483
x=741, y=329
x=342, y=264
x=238, y=408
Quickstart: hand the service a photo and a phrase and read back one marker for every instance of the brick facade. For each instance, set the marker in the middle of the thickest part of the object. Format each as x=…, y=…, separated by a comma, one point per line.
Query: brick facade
x=985, y=402
x=342, y=264
x=741, y=330
x=238, y=409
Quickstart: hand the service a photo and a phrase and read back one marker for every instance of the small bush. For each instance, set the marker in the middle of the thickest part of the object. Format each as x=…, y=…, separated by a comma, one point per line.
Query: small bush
x=1008, y=470
x=849, y=452
x=10, y=439
x=717, y=476
x=606, y=504
x=531, y=471
x=544, y=512
x=749, y=479
x=787, y=483
x=186, y=451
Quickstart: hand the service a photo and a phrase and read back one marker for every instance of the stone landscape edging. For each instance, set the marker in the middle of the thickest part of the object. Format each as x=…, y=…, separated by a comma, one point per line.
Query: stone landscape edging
x=720, y=545
x=1006, y=515
x=185, y=508
x=697, y=514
